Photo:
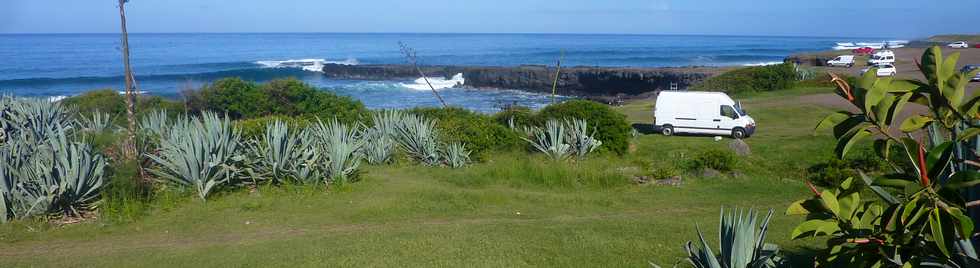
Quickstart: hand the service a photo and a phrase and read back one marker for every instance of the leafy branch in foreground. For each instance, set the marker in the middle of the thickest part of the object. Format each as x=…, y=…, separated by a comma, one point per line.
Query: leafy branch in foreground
x=919, y=216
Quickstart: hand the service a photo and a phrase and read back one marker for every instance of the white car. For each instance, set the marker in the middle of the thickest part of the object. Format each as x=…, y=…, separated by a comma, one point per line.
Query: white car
x=713, y=113
x=883, y=70
x=959, y=44
x=842, y=60
x=882, y=57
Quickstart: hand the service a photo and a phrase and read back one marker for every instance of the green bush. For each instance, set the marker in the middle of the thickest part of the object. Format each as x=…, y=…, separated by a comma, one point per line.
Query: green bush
x=104, y=100
x=834, y=171
x=717, y=159
x=254, y=128
x=751, y=79
x=611, y=126
x=478, y=131
x=664, y=172
x=523, y=116
x=110, y=101
x=289, y=97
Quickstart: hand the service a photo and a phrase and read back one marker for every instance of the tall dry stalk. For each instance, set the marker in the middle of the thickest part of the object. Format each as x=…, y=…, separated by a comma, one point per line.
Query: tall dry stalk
x=412, y=57
x=129, y=148
x=554, y=86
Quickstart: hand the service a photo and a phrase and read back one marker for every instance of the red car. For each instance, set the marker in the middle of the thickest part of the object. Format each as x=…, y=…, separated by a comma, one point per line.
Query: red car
x=864, y=50
x=976, y=46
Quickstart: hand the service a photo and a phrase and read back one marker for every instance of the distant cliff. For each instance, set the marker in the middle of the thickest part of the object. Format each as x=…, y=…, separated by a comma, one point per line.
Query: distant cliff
x=581, y=81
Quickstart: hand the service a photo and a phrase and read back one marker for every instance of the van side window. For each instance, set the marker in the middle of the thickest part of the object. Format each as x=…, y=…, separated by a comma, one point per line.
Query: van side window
x=728, y=111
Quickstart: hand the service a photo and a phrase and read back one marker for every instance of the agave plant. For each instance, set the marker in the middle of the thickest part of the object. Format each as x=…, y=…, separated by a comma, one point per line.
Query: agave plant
x=341, y=146
x=203, y=153
x=419, y=137
x=284, y=153
x=551, y=140
x=155, y=123
x=380, y=138
x=34, y=120
x=42, y=170
x=741, y=242
x=456, y=155
x=58, y=177
x=581, y=141
x=97, y=123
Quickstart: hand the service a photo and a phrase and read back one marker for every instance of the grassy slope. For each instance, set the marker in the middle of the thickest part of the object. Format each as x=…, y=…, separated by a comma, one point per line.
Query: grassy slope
x=570, y=214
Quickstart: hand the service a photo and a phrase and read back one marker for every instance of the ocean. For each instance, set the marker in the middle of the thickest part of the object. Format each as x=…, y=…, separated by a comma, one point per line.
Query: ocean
x=58, y=65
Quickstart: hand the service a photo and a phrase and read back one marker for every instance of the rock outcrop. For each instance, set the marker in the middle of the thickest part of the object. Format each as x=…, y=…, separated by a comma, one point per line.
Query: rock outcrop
x=580, y=81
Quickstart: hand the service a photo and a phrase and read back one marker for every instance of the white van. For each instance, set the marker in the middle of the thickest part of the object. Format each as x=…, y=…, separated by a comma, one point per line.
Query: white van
x=842, y=60
x=701, y=113
x=882, y=57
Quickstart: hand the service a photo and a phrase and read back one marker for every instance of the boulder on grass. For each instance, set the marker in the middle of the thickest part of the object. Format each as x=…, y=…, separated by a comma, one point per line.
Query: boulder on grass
x=740, y=147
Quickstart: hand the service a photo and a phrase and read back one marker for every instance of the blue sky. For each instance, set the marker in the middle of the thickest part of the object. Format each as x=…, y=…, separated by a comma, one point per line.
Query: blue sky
x=884, y=18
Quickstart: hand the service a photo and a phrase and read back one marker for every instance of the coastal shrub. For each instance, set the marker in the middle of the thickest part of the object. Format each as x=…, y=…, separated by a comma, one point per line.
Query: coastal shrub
x=103, y=100
x=289, y=97
x=517, y=116
x=477, y=131
x=111, y=102
x=611, y=127
x=255, y=128
x=751, y=79
x=717, y=159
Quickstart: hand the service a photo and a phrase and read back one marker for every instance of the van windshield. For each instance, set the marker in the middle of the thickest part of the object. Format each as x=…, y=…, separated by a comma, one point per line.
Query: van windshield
x=739, y=110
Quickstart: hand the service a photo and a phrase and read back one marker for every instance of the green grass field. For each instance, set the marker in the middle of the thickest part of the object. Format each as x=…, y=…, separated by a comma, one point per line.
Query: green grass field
x=514, y=210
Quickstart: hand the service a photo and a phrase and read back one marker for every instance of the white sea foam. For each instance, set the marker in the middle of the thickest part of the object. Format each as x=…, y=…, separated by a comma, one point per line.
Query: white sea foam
x=763, y=63
x=310, y=65
x=141, y=92
x=57, y=98
x=437, y=83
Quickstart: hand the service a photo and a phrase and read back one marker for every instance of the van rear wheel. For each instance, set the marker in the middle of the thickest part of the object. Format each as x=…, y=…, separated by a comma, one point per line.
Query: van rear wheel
x=738, y=133
x=667, y=130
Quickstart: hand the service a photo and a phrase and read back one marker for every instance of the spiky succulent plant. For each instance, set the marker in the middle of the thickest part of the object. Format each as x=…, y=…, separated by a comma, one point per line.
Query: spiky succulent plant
x=456, y=155
x=380, y=137
x=203, y=153
x=285, y=153
x=741, y=241
x=551, y=140
x=341, y=146
x=97, y=123
x=419, y=138
x=581, y=140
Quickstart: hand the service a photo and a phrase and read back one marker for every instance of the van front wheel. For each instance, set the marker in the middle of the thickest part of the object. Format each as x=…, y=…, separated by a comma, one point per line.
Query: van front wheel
x=667, y=130
x=738, y=133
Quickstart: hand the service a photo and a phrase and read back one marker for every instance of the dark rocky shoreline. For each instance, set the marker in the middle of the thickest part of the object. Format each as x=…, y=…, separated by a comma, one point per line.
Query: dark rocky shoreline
x=576, y=81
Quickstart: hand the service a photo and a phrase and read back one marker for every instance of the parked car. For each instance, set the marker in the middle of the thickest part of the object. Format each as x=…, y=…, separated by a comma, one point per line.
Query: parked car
x=976, y=46
x=842, y=60
x=883, y=70
x=882, y=57
x=712, y=113
x=864, y=50
x=971, y=67
x=960, y=44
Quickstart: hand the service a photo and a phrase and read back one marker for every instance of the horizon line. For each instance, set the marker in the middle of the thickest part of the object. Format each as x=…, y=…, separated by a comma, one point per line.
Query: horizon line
x=462, y=33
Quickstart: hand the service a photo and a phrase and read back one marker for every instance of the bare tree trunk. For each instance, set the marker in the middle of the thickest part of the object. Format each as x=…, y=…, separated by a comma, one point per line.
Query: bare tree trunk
x=129, y=148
